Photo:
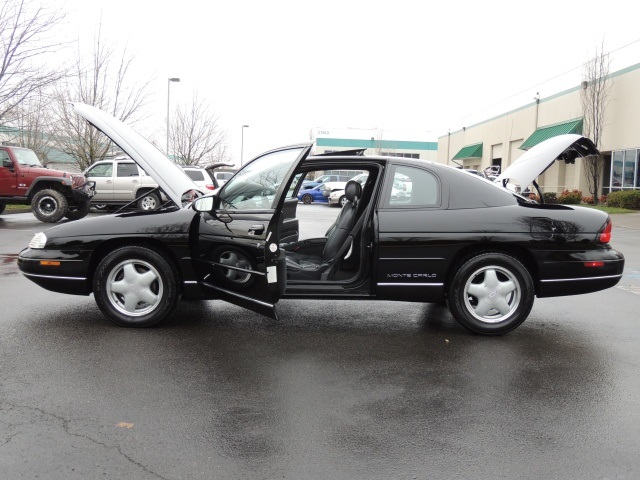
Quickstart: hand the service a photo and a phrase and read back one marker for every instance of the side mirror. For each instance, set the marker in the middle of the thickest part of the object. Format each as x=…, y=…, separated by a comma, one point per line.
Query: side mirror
x=7, y=164
x=203, y=204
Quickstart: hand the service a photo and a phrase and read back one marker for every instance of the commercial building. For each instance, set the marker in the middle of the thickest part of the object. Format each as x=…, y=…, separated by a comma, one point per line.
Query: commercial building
x=502, y=139
x=418, y=145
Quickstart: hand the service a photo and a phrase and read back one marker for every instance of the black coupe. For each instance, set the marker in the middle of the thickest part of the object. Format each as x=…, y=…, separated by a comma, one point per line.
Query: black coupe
x=450, y=237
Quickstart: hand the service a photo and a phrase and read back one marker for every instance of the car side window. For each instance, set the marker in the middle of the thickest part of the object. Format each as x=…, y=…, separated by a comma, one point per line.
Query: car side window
x=4, y=155
x=255, y=186
x=127, y=170
x=413, y=187
x=100, y=170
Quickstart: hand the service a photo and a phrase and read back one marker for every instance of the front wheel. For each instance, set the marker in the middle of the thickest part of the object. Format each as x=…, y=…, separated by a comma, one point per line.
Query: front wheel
x=49, y=205
x=135, y=287
x=307, y=199
x=491, y=294
x=343, y=200
x=2, y=207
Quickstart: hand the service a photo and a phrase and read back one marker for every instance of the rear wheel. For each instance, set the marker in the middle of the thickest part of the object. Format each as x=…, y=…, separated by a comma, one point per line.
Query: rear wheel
x=150, y=201
x=135, y=287
x=492, y=293
x=77, y=210
x=307, y=199
x=49, y=205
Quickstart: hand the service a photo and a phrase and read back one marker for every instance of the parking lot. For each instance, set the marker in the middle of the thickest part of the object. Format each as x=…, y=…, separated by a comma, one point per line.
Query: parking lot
x=339, y=389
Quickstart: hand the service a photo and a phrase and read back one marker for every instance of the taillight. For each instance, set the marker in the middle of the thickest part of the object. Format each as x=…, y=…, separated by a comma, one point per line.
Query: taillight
x=210, y=186
x=605, y=235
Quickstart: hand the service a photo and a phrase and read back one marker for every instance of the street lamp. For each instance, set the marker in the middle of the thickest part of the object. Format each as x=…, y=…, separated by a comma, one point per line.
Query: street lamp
x=173, y=79
x=242, y=143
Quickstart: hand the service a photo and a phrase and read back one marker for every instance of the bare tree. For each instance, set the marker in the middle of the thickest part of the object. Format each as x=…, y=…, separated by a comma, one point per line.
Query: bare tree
x=102, y=80
x=594, y=98
x=31, y=125
x=25, y=43
x=195, y=137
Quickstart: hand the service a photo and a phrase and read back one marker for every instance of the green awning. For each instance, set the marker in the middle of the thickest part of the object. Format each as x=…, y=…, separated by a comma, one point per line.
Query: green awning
x=550, y=131
x=470, y=151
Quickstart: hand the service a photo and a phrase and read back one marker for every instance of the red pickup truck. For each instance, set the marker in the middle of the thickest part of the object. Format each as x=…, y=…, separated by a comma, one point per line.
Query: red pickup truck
x=52, y=194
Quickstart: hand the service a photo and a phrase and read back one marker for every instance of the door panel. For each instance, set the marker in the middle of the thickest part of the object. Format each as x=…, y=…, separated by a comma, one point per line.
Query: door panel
x=102, y=174
x=290, y=229
x=236, y=246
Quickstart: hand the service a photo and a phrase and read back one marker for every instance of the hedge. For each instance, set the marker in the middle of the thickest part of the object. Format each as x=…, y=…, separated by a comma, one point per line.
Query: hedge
x=624, y=199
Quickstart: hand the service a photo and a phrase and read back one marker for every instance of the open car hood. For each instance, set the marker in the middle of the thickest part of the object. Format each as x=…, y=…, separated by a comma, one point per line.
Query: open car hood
x=171, y=178
x=535, y=161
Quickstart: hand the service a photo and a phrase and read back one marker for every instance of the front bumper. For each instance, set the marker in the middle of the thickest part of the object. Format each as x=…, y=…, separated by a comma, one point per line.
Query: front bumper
x=57, y=271
x=84, y=192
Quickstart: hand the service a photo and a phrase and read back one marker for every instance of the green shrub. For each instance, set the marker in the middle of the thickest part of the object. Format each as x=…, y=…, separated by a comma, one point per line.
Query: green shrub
x=573, y=197
x=624, y=199
x=550, y=197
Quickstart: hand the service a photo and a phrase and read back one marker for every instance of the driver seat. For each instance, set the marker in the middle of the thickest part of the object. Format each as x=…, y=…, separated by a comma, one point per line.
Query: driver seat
x=309, y=263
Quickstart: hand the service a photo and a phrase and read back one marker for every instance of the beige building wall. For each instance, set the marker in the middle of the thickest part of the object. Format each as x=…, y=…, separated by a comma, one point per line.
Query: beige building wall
x=506, y=132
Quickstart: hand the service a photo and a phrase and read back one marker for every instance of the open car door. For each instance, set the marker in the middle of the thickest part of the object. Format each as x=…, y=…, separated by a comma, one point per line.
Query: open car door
x=236, y=243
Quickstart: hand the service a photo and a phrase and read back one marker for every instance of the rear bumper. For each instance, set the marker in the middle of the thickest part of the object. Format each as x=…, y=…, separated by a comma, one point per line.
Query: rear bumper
x=573, y=276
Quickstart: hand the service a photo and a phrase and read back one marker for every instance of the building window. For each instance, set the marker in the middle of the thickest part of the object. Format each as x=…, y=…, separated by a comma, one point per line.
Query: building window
x=400, y=154
x=625, y=169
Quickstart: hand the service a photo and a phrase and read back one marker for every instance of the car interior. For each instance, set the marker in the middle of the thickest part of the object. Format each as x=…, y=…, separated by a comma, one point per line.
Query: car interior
x=337, y=255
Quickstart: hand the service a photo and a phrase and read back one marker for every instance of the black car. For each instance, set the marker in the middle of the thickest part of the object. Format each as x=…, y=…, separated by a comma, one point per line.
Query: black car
x=455, y=237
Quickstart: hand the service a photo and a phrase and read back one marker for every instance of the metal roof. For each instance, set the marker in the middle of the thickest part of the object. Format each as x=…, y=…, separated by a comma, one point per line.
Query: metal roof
x=470, y=151
x=545, y=133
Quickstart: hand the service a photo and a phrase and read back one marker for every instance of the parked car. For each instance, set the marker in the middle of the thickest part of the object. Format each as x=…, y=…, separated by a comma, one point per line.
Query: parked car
x=337, y=196
x=223, y=177
x=483, y=249
x=200, y=177
x=120, y=181
x=52, y=194
x=313, y=194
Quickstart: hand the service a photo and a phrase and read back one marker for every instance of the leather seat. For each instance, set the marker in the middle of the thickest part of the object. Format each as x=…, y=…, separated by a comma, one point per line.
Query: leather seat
x=309, y=263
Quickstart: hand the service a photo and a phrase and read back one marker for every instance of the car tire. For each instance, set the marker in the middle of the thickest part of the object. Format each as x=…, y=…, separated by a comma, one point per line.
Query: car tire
x=491, y=294
x=135, y=286
x=49, y=205
x=230, y=278
x=77, y=210
x=307, y=199
x=343, y=200
x=150, y=201
x=2, y=207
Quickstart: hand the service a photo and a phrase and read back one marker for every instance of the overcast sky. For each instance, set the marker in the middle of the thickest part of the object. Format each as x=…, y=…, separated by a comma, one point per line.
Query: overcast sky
x=285, y=67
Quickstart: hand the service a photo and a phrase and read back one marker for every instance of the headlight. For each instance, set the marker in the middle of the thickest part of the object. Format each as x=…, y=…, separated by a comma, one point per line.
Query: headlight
x=38, y=241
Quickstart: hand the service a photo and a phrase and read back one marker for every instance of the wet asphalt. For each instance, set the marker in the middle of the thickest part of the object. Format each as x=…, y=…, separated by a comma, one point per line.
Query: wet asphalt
x=333, y=390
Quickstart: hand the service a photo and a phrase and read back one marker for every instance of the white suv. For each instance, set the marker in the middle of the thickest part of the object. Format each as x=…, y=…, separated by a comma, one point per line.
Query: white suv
x=120, y=181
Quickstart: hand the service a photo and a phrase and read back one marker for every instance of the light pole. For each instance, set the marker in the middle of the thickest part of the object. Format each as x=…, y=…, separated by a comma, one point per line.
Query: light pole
x=172, y=79
x=242, y=143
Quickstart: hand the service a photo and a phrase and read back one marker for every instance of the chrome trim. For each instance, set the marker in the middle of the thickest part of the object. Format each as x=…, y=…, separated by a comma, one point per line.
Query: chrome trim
x=580, y=279
x=190, y=282
x=412, y=258
x=53, y=276
x=410, y=284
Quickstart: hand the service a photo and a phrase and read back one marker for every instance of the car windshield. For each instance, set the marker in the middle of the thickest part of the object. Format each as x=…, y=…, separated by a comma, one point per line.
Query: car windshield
x=27, y=157
x=254, y=187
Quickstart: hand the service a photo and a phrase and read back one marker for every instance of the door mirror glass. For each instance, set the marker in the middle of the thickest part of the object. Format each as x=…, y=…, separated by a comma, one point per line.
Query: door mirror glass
x=203, y=204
